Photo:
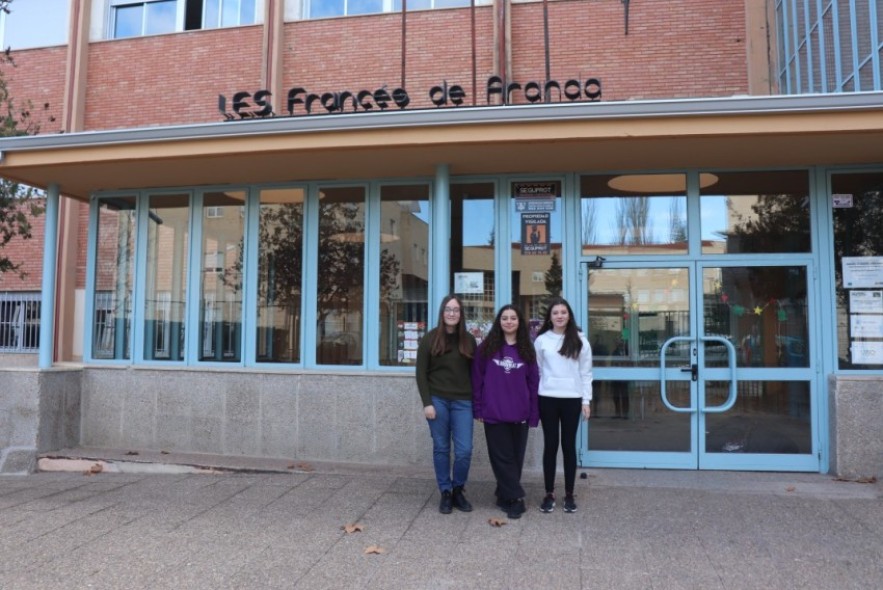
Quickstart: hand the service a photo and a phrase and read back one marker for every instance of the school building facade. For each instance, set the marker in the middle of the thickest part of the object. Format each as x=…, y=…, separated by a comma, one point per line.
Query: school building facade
x=254, y=208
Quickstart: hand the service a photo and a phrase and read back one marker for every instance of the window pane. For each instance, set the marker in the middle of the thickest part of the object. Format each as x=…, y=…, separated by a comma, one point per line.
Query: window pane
x=535, y=210
x=230, y=13
x=858, y=238
x=364, y=6
x=160, y=17
x=35, y=23
x=472, y=253
x=404, y=276
x=756, y=212
x=114, y=269
x=341, y=276
x=212, y=17
x=280, y=269
x=246, y=12
x=127, y=21
x=223, y=227
x=325, y=8
x=166, y=280
x=634, y=214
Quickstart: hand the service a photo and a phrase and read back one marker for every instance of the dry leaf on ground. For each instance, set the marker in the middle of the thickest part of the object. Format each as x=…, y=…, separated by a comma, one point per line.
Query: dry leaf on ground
x=790, y=489
x=497, y=521
x=97, y=468
x=353, y=528
x=374, y=549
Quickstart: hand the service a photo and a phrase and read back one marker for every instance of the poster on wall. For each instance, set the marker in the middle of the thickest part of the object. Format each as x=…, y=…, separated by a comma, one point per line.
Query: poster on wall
x=534, y=196
x=867, y=353
x=866, y=302
x=409, y=335
x=469, y=283
x=862, y=272
x=535, y=233
x=866, y=326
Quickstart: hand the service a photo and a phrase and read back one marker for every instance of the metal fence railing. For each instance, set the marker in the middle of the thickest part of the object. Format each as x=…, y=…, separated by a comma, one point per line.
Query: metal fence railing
x=19, y=321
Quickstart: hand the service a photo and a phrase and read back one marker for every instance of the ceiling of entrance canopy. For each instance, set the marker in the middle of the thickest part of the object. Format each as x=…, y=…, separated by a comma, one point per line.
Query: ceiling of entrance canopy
x=220, y=155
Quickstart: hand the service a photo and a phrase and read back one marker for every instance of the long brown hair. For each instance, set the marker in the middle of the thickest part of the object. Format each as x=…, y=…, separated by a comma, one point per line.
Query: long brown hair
x=572, y=345
x=438, y=343
x=495, y=339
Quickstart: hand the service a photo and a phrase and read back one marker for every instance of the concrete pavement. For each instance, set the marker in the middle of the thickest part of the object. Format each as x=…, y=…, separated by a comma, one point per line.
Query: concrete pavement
x=261, y=527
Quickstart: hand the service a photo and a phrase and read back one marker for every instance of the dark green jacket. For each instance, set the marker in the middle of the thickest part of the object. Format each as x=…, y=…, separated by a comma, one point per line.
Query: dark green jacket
x=447, y=376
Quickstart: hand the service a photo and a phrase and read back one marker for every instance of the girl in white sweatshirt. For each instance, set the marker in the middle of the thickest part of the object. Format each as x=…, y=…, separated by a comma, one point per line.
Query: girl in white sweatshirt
x=565, y=361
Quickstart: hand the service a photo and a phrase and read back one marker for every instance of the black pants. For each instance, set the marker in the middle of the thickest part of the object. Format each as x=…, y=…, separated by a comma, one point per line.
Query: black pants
x=506, y=445
x=560, y=419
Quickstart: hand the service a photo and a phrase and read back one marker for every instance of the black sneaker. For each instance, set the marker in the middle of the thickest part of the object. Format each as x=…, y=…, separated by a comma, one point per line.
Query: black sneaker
x=569, y=503
x=516, y=508
x=446, y=505
x=548, y=504
x=459, y=500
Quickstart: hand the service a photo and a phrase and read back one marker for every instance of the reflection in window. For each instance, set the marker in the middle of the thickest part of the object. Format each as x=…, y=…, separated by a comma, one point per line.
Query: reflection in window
x=756, y=212
x=633, y=214
x=404, y=280
x=280, y=269
x=858, y=238
x=228, y=13
x=427, y=4
x=762, y=311
x=152, y=17
x=472, y=253
x=328, y=8
x=221, y=280
x=19, y=321
x=341, y=275
x=114, y=271
x=771, y=417
x=536, y=250
x=34, y=23
x=166, y=280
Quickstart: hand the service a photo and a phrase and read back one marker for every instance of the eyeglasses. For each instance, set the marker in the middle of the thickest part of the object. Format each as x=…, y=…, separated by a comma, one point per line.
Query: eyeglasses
x=452, y=310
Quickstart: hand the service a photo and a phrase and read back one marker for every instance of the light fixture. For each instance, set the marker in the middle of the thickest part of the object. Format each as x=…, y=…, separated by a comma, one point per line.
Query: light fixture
x=657, y=183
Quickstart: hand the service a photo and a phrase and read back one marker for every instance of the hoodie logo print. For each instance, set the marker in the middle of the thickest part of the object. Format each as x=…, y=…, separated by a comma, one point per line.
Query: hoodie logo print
x=507, y=364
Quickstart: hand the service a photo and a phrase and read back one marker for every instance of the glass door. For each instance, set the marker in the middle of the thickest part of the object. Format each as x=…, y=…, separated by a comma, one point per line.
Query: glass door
x=700, y=366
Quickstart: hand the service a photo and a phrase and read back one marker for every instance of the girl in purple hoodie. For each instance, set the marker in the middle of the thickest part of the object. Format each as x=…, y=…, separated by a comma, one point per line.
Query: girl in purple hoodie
x=505, y=380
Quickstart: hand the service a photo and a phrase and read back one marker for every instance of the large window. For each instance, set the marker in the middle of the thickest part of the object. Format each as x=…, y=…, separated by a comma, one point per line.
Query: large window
x=280, y=274
x=330, y=8
x=633, y=214
x=535, y=208
x=221, y=279
x=340, y=288
x=114, y=271
x=134, y=18
x=857, y=201
x=829, y=45
x=472, y=253
x=34, y=23
x=19, y=322
x=165, y=304
x=404, y=271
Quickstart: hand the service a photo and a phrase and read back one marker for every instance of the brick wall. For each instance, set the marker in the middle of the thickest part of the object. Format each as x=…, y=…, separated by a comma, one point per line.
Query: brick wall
x=29, y=253
x=38, y=77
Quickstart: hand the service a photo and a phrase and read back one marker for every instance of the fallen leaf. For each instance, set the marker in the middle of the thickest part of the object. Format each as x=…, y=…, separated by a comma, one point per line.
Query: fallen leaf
x=290, y=466
x=131, y=452
x=353, y=528
x=498, y=522
x=790, y=489
x=304, y=466
x=96, y=468
x=163, y=452
x=870, y=479
x=374, y=549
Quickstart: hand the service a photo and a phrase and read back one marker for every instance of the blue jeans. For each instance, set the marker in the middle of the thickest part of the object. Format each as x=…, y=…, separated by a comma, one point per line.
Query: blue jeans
x=453, y=421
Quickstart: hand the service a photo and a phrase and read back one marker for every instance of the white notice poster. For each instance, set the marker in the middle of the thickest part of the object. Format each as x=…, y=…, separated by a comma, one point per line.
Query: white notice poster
x=867, y=353
x=469, y=283
x=866, y=326
x=862, y=272
x=866, y=302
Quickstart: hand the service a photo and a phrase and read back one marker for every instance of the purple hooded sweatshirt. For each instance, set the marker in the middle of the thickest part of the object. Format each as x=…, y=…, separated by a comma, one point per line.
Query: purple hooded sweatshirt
x=504, y=387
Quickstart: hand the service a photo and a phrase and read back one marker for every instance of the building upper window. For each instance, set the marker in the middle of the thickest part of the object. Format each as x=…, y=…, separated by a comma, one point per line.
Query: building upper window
x=329, y=8
x=35, y=23
x=134, y=18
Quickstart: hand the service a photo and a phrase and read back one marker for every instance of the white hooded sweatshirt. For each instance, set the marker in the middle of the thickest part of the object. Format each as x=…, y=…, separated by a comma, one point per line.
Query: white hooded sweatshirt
x=561, y=376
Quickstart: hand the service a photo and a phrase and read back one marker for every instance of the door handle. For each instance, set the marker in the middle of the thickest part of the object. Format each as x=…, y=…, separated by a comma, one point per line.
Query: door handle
x=693, y=370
